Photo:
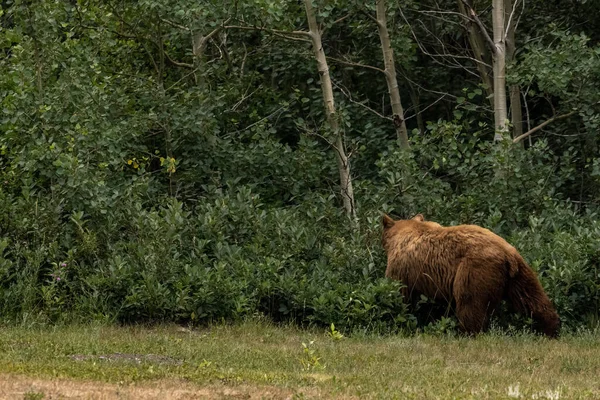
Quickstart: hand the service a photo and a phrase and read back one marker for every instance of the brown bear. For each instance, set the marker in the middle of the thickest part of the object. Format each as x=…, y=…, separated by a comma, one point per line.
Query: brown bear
x=467, y=266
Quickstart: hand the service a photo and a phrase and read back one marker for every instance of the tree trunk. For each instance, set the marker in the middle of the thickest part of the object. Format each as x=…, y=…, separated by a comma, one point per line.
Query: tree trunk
x=199, y=43
x=390, y=76
x=198, y=46
x=480, y=52
x=327, y=89
x=500, y=113
x=414, y=97
x=516, y=113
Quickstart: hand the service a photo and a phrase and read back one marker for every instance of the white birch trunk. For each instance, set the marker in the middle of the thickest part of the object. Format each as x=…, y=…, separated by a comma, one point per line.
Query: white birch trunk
x=516, y=115
x=500, y=113
x=390, y=76
x=343, y=162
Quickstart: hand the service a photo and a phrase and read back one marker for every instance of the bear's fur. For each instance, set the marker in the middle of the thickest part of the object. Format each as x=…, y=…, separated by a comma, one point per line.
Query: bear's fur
x=467, y=266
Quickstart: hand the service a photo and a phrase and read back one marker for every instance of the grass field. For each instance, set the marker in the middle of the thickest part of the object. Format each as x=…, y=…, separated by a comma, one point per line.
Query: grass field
x=256, y=360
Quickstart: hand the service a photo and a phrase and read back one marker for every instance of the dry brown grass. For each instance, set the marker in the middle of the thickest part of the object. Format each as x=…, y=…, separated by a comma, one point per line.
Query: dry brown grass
x=24, y=387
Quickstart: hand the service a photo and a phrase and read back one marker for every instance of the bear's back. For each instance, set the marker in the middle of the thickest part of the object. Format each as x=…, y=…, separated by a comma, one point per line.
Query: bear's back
x=417, y=249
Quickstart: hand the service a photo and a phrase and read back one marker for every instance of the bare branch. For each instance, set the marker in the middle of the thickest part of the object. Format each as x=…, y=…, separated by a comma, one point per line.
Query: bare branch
x=290, y=37
x=512, y=14
x=329, y=143
x=156, y=68
x=542, y=125
x=280, y=109
x=520, y=15
x=429, y=106
x=258, y=28
x=427, y=12
x=481, y=26
x=444, y=94
x=177, y=63
x=440, y=15
x=199, y=41
x=175, y=24
x=243, y=60
x=337, y=21
x=245, y=96
x=348, y=95
x=182, y=78
x=435, y=56
x=524, y=94
x=452, y=56
x=353, y=64
x=372, y=18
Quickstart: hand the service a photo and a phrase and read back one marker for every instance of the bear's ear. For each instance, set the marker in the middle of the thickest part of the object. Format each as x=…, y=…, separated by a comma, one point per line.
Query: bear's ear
x=387, y=221
x=419, y=217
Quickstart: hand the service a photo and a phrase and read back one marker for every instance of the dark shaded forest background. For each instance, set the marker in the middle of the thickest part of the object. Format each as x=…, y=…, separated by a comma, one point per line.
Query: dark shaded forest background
x=173, y=161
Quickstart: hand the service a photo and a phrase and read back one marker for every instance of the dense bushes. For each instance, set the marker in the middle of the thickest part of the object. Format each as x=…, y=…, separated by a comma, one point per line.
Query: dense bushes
x=227, y=254
x=140, y=183
x=228, y=257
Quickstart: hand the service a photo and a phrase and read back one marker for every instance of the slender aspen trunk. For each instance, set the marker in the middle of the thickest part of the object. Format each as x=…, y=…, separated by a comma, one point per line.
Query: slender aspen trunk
x=199, y=43
x=414, y=97
x=516, y=113
x=390, y=76
x=500, y=113
x=39, y=66
x=480, y=52
x=198, y=46
x=326, y=87
x=39, y=72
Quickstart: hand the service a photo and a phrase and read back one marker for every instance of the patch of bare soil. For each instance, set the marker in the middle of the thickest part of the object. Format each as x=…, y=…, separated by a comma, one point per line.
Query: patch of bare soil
x=23, y=387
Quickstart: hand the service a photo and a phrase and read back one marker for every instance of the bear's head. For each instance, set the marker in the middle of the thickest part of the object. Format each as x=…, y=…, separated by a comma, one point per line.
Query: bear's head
x=391, y=226
x=388, y=221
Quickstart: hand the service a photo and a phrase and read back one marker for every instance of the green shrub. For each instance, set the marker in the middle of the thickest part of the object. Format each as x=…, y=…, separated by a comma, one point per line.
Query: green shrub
x=230, y=254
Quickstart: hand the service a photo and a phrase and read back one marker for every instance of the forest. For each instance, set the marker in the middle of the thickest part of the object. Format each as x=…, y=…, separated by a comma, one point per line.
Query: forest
x=199, y=161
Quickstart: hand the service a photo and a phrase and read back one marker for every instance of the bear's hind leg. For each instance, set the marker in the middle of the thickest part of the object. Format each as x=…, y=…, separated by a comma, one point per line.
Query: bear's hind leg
x=472, y=315
x=476, y=297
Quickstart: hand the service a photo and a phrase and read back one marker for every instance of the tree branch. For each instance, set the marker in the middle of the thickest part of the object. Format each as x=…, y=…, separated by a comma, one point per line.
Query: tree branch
x=482, y=27
x=433, y=56
x=280, y=109
x=276, y=31
x=182, y=78
x=175, y=25
x=368, y=15
x=542, y=125
x=177, y=63
x=199, y=41
x=342, y=18
x=448, y=55
x=429, y=106
x=349, y=96
x=353, y=64
x=429, y=12
x=289, y=37
x=512, y=14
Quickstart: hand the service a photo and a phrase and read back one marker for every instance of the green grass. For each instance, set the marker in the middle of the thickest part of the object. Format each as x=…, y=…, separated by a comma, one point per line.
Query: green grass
x=261, y=355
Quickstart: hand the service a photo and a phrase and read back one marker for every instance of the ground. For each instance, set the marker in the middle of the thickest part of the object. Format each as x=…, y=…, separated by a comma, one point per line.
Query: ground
x=24, y=387
x=256, y=360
